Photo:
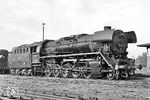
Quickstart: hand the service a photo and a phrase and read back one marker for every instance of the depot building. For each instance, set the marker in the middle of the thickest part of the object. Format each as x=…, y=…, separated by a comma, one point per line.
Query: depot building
x=147, y=45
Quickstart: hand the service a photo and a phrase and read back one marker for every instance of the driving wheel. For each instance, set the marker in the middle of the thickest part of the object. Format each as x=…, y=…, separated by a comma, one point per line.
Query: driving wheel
x=56, y=71
x=48, y=71
x=75, y=74
x=65, y=70
x=87, y=73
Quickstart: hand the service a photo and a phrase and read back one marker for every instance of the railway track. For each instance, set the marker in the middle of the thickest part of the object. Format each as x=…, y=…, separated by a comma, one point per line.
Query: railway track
x=14, y=94
x=136, y=88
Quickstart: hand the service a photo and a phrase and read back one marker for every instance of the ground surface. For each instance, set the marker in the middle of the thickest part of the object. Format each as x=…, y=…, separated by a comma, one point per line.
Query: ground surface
x=138, y=88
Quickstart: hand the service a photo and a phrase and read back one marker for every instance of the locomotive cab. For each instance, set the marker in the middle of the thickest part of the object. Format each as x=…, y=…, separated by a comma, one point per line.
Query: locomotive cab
x=35, y=50
x=35, y=61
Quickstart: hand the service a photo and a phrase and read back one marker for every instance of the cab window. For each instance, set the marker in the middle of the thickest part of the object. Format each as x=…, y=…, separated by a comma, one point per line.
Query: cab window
x=27, y=50
x=33, y=49
x=24, y=50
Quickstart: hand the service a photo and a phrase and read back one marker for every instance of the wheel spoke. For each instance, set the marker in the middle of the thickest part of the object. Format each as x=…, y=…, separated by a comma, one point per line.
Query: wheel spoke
x=12, y=71
x=17, y=72
x=111, y=75
x=28, y=73
x=75, y=74
x=87, y=73
x=56, y=71
x=65, y=72
x=48, y=71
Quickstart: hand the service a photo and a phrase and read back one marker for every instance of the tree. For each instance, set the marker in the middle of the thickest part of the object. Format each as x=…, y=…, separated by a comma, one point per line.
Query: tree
x=142, y=59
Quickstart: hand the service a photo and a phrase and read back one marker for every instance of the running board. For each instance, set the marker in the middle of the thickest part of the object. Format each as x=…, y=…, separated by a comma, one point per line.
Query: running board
x=109, y=61
x=68, y=55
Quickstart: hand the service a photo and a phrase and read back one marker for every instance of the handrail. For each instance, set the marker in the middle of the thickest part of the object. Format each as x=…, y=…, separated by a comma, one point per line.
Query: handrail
x=105, y=59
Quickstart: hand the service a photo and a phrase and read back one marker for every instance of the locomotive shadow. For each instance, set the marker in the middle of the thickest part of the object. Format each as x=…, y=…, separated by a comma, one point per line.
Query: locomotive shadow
x=140, y=76
x=137, y=76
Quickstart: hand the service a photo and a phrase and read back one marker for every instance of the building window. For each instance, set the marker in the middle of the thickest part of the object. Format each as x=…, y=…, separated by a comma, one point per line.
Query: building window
x=24, y=50
x=27, y=50
x=17, y=51
x=34, y=49
x=20, y=50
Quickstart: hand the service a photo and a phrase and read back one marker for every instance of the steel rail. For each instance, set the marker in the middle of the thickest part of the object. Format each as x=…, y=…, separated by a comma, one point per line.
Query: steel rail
x=29, y=95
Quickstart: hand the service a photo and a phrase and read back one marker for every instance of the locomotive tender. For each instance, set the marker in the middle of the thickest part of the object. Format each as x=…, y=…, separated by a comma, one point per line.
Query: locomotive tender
x=22, y=58
x=103, y=53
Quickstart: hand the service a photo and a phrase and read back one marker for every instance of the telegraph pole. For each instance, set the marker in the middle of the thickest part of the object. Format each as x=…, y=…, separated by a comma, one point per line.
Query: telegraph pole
x=43, y=30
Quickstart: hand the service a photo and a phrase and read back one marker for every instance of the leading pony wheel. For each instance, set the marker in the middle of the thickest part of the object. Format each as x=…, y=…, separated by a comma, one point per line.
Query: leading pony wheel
x=125, y=75
x=111, y=75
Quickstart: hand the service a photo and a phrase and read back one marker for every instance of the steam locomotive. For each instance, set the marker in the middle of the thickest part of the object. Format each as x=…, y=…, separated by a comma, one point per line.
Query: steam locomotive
x=101, y=54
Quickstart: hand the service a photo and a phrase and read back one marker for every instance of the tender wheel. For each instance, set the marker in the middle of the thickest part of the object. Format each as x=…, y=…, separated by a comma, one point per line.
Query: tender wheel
x=75, y=74
x=28, y=73
x=111, y=75
x=48, y=71
x=87, y=73
x=12, y=71
x=17, y=72
x=56, y=71
x=24, y=72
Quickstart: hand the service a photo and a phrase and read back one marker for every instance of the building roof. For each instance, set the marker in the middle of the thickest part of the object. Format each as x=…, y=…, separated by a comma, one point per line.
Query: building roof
x=144, y=45
x=36, y=43
x=28, y=45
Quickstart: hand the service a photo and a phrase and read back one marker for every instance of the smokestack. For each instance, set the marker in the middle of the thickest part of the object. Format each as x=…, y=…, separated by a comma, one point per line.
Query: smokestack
x=107, y=27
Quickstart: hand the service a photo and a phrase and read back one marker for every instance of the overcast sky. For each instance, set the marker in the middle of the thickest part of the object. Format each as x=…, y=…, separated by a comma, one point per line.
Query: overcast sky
x=21, y=20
